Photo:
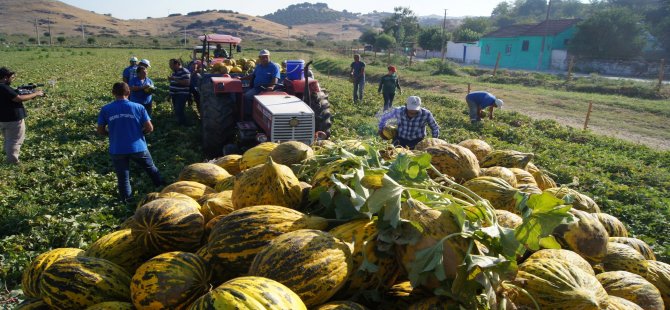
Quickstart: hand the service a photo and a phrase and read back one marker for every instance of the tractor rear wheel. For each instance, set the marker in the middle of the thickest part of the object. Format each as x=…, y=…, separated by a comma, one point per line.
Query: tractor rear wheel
x=322, y=116
x=217, y=117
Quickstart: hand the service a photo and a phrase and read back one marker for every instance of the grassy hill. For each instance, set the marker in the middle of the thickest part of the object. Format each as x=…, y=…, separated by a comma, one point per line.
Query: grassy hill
x=20, y=17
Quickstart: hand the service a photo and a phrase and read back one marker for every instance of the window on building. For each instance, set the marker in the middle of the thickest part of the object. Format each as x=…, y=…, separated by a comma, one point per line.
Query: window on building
x=487, y=49
x=508, y=49
x=524, y=45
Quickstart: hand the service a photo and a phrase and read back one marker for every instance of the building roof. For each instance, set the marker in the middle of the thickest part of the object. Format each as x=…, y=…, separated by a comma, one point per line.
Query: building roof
x=550, y=27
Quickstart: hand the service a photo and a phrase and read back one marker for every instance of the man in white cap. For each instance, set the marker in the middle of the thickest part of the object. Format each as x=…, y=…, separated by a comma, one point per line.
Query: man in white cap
x=130, y=71
x=412, y=120
x=145, y=63
x=480, y=100
x=265, y=77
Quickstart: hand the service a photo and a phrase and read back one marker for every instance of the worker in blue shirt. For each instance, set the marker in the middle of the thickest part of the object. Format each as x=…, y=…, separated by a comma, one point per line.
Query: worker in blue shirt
x=480, y=100
x=265, y=77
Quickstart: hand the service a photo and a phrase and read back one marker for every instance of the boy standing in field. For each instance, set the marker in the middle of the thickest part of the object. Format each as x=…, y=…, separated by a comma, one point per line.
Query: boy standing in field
x=358, y=77
x=180, y=89
x=387, y=86
x=125, y=123
x=130, y=72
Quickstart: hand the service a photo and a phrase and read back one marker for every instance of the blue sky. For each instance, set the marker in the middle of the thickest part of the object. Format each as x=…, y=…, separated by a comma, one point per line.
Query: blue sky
x=127, y=9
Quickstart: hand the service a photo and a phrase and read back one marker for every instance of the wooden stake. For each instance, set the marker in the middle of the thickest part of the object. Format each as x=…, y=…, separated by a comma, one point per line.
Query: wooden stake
x=571, y=64
x=588, y=115
x=497, y=62
x=661, y=72
x=469, y=88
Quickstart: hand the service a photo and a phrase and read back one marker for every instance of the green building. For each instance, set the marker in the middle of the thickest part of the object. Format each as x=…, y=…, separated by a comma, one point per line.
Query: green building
x=520, y=46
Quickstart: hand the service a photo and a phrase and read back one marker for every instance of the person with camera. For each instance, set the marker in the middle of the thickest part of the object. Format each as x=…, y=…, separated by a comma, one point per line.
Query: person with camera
x=12, y=113
x=125, y=123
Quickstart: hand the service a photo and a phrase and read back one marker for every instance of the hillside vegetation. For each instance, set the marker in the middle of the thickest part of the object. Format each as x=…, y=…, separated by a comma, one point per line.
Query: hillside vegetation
x=308, y=13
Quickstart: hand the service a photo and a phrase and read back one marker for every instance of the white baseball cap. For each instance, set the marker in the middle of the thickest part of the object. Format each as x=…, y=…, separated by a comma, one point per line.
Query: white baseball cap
x=146, y=62
x=264, y=53
x=499, y=103
x=133, y=59
x=413, y=103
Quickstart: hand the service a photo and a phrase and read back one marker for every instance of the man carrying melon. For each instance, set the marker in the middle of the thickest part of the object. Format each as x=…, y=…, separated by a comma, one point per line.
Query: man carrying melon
x=412, y=120
x=126, y=122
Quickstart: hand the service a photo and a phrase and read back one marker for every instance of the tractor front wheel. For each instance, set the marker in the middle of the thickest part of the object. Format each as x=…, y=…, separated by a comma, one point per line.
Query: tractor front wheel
x=322, y=116
x=217, y=116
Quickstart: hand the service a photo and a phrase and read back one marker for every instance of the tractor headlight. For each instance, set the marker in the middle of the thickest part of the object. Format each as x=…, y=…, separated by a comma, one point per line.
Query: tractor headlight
x=261, y=137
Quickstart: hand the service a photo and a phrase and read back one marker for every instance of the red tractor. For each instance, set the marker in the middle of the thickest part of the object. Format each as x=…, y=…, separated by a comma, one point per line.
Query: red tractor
x=296, y=110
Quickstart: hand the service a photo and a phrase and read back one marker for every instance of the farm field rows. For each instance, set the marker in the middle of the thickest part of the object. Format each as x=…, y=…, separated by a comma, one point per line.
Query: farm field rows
x=64, y=193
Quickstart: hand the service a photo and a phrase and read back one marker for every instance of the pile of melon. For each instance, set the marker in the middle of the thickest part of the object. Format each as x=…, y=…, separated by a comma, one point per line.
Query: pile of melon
x=258, y=231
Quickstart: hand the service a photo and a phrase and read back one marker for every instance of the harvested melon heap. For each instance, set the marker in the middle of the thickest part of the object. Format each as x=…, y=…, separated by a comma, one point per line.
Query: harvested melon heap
x=359, y=225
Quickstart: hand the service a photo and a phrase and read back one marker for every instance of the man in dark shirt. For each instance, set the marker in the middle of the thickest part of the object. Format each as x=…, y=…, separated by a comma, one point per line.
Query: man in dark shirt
x=358, y=77
x=12, y=113
x=180, y=89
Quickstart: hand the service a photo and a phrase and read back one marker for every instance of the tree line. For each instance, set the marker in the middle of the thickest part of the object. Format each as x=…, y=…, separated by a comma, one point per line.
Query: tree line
x=307, y=13
x=608, y=29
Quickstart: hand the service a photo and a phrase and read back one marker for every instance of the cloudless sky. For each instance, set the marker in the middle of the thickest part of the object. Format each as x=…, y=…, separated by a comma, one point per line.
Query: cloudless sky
x=134, y=9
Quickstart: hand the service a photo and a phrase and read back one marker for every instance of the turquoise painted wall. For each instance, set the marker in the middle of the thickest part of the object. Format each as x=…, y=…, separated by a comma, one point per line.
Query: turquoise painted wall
x=513, y=56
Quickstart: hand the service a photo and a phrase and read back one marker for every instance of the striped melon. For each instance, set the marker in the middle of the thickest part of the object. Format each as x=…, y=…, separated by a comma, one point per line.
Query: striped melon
x=341, y=305
x=32, y=304
x=216, y=204
x=121, y=248
x=618, y=303
x=315, y=272
x=506, y=158
x=455, y=161
x=436, y=225
x=428, y=142
x=229, y=162
x=112, y=305
x=556, y=284
x=477, y=147
x=192, y=189
x=523, y=177
x=401, y=295
x=580, y=201
x=153, y=196
x=508, y=219
x=267, y=184
x=79, y=282
x=566, y=256
x=612, y=224
x=240, y=235
x=363, y=234
x=631, y=287
x=658, y=274
x=586, y=236
x=250, y=293
x=171, y=280
x=435, y=303
x=637, y=244
x=165, y=225
x=498, y=192
x=622, y=257
x=291, y=152
x=220, y=272
x=529, y=189
x=226, y=185
x=334, y=168
x=542, y=179
x=500, y=172
x=204, y=173
x=30, y=280
x=257, y=155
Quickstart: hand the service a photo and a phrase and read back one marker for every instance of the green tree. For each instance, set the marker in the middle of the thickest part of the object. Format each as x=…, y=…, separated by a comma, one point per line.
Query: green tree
x=532, y=8
x=403, y=25
x=90, y=40
x=611, y=33
x=476, y=24
x=385, y=41
x=466, y=35
x=60, y=40
x=659, y=24
x=431, y=38
x=368, y=37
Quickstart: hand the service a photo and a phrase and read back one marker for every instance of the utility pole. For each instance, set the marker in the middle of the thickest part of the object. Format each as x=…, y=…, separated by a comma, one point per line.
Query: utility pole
x=51, y=40
x=184, y=36
x=544, y=36
x=288, y=37
x=444, y=25
x=83, y=34
x=37, y=32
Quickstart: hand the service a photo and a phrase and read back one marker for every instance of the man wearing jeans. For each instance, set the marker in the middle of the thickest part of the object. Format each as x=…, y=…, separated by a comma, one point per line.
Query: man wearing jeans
x=12, y=113
x=180, y=89
x=125, y=123
x=358, y=77
x=480, y=100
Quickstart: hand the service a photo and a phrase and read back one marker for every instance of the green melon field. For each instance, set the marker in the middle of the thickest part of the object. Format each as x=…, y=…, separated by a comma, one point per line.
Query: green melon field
x=64, y=192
